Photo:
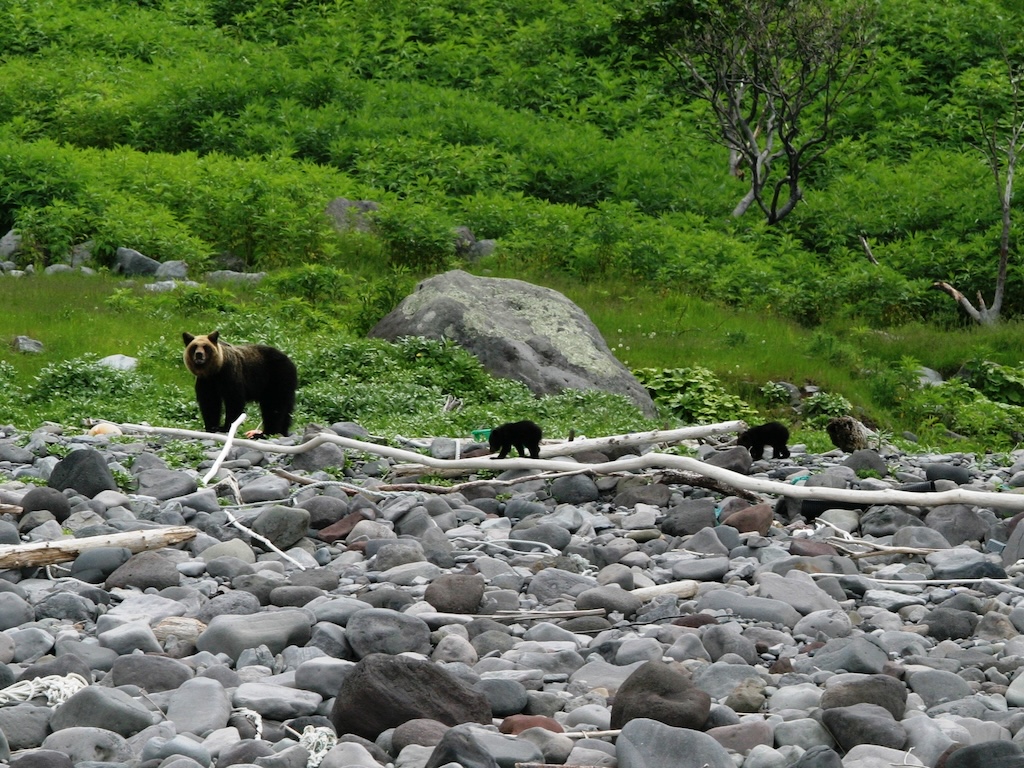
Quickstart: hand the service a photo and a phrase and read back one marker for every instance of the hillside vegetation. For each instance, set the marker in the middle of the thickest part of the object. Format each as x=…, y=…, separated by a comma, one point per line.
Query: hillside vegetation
x=217, y=131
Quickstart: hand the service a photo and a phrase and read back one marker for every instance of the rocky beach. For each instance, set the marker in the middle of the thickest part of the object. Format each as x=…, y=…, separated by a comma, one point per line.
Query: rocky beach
x=339, y=607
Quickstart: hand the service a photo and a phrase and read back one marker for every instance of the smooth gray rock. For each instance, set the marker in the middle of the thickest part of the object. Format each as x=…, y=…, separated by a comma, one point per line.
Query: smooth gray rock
x=383, y=691
x=517, y=330
x=646, y=743
x=759, y=608
x=109, y=709
x=380, y=630
x=276, y=702
x=232, y=634
x=199, y=706
x=86, y=743
x=85, y=471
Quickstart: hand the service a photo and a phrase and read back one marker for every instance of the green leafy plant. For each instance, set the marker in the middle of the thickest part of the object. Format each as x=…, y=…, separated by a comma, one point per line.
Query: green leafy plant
x=124, y=301
x=775, y=394
x=693, y=395
x=1000, y=383
x=124, y=480
x=183, y=454
x=415, y=237
x=820, y=407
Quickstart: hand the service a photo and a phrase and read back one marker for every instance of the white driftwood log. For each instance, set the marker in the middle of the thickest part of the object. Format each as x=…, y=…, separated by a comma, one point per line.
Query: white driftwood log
x=684, y=588
x=1007, y=500
x=41, y=553
x=669, y=436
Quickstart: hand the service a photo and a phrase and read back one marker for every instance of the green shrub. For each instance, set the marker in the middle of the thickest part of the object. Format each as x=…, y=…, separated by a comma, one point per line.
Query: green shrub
x=893, y=384
x=999, y=383
x=775, y=394
x=377, y=297
x=692, y=395
x=957, y=406
x=49, y=232
x=415, y=237
x=71, y=391
x=149, y=228
x=821, y=407
x=312, y=282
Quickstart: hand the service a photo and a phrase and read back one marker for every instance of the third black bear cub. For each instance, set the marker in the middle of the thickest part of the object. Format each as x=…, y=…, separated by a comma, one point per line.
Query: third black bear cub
x=522, y=435
x=227, y=377
x=773, y=433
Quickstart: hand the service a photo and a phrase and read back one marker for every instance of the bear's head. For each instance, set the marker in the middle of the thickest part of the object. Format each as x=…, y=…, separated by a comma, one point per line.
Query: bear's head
x=203, y=355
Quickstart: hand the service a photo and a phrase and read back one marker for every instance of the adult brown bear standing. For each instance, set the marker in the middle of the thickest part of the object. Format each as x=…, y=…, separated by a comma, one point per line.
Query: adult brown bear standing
x=228, y=377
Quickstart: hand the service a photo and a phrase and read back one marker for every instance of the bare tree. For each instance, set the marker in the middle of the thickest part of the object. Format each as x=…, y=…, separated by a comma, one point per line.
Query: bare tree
x=1000, y=136
x=774, y=74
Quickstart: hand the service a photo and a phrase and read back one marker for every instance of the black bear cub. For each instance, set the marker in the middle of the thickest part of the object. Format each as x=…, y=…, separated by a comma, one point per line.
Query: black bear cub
x=522, y=435
x=228, y=377
x=773, y=433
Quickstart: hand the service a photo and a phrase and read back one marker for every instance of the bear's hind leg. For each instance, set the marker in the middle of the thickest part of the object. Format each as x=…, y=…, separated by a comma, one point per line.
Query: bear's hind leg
x=276, y=420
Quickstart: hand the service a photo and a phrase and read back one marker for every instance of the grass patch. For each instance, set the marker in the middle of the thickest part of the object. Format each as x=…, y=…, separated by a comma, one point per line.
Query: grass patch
x=647, y=328
x=701, y=346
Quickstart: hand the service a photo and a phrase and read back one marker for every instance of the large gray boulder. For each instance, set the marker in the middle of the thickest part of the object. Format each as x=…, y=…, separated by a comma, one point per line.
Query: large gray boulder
x=517, y=330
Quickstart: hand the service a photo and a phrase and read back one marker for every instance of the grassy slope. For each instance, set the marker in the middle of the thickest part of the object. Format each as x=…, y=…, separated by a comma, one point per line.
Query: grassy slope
x=643, y=327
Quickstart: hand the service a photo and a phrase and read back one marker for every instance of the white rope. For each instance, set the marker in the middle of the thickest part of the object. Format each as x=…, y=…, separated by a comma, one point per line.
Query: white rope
x=252, y=715
x=318, y=741
x=57, y=689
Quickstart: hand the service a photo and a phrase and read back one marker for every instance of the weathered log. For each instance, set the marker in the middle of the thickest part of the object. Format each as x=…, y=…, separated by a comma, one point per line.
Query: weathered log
x=684, y=588
x=61, y=551
x=703, y=481
x=999, y=500
x=652, y=437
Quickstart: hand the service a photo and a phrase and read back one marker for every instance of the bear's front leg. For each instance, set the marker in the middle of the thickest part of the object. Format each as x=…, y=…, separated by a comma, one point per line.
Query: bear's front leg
x=234, y=406
x=208, y=397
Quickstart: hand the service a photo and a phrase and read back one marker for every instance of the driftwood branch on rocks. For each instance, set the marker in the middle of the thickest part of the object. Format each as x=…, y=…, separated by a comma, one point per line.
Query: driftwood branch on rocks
x=465, y=618
x=703, y=481
x=997, y=500
x=652, y=437
x=684, y=588
x=42, y=553
x=874, y=549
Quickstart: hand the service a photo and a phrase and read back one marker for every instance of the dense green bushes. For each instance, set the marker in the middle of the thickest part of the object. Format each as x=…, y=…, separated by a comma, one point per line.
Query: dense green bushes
x=194, y=130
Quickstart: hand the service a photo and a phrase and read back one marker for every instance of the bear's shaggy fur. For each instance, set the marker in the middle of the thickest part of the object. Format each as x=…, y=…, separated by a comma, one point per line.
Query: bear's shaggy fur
x=773, y=433
x=228, y=377
x=522, y=435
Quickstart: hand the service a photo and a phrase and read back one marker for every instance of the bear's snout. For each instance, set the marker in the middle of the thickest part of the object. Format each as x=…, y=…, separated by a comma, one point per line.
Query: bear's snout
x=199, y=356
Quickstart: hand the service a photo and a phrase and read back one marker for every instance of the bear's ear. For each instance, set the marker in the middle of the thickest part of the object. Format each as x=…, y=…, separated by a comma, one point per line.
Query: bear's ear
x=187, y=337
x=213, y=337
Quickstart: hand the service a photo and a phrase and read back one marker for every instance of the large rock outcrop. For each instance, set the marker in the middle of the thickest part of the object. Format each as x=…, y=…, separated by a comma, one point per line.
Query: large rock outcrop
x=517, y=330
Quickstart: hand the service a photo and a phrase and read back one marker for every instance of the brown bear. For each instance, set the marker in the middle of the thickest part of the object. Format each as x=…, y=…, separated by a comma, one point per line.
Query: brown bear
x=228, y=377
x=522, y=435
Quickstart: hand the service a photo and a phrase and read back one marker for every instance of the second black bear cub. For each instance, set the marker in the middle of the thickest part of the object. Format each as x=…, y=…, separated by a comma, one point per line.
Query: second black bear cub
x=228, y=377
x=522, y=435
x=773, y=433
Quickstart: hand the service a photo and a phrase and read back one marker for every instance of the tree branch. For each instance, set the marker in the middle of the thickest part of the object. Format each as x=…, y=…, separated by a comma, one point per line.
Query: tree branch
x=960, y=299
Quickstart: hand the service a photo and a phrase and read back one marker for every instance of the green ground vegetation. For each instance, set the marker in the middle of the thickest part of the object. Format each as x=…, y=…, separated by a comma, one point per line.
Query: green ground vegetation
x=704, y=363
